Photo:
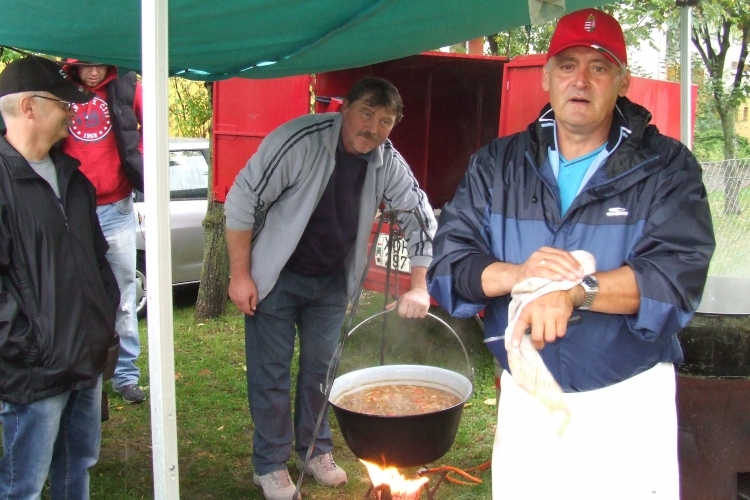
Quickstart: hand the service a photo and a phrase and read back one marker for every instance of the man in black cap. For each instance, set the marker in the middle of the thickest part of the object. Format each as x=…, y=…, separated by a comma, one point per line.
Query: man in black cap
x=58, y=295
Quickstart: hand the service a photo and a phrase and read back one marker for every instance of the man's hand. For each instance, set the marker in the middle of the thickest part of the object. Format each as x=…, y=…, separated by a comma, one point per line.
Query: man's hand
x=413, y=304
x=547, y=316
x=242, y=289
x=498, y=279
x=243, y=293
x=550, y=263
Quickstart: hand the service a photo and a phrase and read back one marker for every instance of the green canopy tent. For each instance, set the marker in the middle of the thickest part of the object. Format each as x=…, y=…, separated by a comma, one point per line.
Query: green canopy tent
x=216, y=40
x=265, y=38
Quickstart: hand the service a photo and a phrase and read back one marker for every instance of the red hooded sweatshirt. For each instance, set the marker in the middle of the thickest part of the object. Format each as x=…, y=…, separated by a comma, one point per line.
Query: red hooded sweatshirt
x=92, y=139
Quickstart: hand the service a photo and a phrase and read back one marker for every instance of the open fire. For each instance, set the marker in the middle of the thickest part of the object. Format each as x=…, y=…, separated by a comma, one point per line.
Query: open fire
x=389, y=484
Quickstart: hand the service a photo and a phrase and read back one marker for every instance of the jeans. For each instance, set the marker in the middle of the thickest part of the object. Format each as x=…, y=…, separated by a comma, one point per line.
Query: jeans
x=119, y=227
x=59, y=436
x=316, y=305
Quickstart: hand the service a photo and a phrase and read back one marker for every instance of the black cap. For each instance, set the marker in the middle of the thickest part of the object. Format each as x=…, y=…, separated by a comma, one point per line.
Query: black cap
x=33, y=73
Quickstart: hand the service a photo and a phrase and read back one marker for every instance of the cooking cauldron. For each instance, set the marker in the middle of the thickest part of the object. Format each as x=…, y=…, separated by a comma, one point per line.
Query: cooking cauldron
x=407, y=441
x=401, y=441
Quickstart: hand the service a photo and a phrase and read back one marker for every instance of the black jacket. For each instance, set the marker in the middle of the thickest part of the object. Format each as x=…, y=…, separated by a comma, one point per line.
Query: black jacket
x=58, y=295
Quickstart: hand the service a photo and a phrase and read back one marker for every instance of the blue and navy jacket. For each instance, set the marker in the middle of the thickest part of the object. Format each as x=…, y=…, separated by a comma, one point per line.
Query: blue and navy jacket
x=645, y=207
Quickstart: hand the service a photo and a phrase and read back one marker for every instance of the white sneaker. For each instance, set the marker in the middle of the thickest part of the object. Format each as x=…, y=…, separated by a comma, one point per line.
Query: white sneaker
x=324, y=470
x=277, y=485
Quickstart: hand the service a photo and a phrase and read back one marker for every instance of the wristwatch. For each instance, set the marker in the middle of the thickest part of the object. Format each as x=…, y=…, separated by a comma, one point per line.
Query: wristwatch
x=591, y=286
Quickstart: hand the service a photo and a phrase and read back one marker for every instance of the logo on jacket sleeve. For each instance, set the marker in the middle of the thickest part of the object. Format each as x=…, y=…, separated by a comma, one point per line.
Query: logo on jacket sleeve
x=617, y=212
x=92, y=121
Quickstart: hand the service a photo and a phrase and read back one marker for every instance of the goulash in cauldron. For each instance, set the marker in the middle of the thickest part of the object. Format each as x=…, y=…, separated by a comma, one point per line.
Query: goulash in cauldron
x=398, y=400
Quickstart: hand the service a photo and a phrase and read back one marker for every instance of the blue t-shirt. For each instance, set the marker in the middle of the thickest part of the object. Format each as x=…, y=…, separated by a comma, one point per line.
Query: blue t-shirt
x=570, y=175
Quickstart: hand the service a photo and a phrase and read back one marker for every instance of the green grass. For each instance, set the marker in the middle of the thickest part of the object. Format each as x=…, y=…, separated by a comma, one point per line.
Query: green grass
x=215, y=430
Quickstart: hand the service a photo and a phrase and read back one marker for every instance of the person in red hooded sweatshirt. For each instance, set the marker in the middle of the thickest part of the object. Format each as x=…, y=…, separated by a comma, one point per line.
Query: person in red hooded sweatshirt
x=106, y=138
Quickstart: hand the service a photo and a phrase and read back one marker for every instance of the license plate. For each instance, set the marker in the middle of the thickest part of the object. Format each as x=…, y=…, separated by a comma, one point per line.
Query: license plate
x=400, y=253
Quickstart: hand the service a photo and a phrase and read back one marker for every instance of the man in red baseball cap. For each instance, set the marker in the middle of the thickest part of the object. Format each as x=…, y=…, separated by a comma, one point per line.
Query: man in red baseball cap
x=587, y=407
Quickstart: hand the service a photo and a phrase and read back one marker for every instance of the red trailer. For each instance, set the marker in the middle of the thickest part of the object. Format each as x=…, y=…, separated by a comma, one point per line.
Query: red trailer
x=453, y=104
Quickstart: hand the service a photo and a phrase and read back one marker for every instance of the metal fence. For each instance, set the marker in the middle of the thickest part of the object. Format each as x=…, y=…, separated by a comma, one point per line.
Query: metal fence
x=728, y=186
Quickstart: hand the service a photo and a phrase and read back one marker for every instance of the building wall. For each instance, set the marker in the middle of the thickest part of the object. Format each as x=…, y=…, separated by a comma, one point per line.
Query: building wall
x=743, y=119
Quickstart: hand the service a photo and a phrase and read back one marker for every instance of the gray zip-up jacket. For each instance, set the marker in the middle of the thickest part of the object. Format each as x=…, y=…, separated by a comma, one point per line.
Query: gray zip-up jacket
x=279, y=188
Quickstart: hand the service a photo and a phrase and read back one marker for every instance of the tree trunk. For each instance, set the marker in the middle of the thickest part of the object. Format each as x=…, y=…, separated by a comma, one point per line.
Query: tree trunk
x=731, y=169
x=212, y=293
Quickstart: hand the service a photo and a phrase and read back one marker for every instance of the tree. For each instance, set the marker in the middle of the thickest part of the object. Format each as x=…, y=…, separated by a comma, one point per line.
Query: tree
x=521, y=41
x=190, y=115
x=718, y=23
x=708, y=145
x=189, y=108
x=212, y=293
x=717, y=26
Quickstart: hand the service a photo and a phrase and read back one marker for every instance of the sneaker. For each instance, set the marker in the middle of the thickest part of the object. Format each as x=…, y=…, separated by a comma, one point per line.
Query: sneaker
x=276, y=485
x=131, y=393
x=324, y=470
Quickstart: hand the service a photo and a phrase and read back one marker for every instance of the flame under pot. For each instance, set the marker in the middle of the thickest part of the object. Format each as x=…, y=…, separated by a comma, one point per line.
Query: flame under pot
x=401, y=441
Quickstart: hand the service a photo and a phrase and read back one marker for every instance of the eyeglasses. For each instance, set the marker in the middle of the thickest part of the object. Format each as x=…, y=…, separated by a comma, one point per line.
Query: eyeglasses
x=67, y=105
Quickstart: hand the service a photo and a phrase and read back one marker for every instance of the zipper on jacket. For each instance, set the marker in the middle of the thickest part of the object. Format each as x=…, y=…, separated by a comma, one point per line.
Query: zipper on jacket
x=539, y=178
x=65, y=220
x=63, y=195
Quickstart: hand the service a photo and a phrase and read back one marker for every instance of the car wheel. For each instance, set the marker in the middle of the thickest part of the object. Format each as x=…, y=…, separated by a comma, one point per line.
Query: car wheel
x=140, y=285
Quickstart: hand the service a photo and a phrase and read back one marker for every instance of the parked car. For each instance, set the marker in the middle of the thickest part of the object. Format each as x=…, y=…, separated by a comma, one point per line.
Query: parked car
x=188, y=188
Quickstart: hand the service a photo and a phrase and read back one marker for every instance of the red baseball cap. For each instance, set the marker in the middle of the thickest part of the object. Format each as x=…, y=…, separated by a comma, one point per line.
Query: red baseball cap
x=590, y=28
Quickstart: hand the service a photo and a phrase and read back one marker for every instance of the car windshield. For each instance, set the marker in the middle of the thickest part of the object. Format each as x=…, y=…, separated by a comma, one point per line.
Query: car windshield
x=188, y=174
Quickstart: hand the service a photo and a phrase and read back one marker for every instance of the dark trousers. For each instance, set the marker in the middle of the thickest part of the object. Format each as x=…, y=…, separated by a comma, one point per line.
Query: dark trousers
x=314, y=307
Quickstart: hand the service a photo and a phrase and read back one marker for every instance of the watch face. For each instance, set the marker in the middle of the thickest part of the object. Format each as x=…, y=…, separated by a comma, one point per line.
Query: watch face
x=589, y=281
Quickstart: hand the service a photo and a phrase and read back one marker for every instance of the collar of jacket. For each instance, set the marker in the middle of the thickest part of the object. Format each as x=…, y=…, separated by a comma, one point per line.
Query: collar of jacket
x=629, y=130
x=19, y=167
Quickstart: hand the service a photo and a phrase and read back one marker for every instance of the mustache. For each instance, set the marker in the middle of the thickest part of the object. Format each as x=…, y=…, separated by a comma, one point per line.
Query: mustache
x=370, y=136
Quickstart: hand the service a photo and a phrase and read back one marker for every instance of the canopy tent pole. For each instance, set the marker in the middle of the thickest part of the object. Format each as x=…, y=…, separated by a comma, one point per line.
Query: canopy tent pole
x=686, y=94
x=155, y=30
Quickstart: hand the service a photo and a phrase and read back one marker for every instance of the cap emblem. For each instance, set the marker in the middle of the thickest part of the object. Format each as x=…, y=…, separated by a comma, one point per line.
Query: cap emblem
x=590, y=23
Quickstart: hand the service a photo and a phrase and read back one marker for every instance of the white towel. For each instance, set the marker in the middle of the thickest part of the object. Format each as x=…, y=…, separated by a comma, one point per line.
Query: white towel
x=526, y=365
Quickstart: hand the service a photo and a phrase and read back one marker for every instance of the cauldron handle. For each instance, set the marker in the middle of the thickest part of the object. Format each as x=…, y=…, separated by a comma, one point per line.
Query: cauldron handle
x=333, y=365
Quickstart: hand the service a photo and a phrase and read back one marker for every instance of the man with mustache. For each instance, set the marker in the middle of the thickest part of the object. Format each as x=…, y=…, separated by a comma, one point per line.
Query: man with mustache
x=590, y=174
x=299, y=217
x=58, y=295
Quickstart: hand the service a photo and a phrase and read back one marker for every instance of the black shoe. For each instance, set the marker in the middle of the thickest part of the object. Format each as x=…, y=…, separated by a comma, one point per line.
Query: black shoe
x=131, y=393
